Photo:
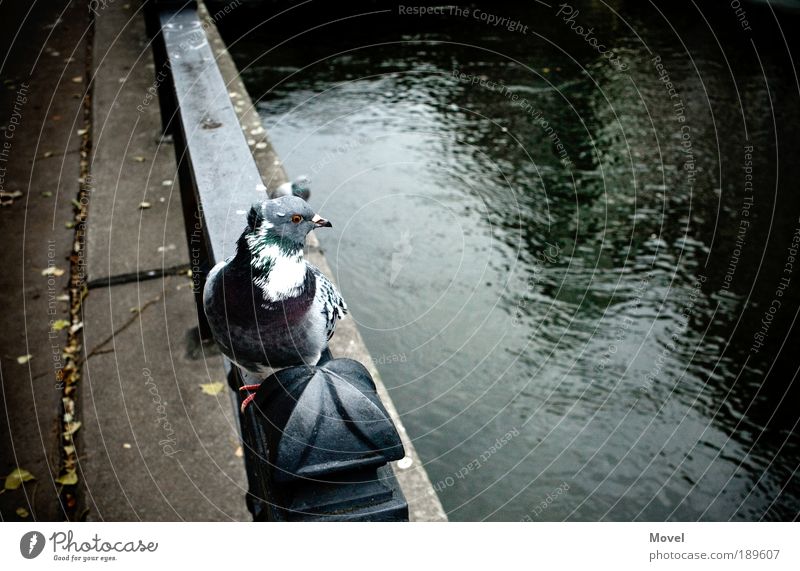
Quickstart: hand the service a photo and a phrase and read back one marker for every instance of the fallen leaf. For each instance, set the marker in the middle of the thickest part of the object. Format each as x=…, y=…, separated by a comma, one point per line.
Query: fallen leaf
x=47, y=194
x=72, y=428
x=60, y=324
x=212, y=389
x=77, y=79
x=166, y=183
x=15, y=479
x=48, y=154
x=82, y=132
x=68, y=478
x=69, y=225
x=53, y=271
x=22, y=512
x=239, y=452
x=138, y=159
x=75, y=328
x=22, y=359
x=126, y=445
x=143, y=205
x=69, y=450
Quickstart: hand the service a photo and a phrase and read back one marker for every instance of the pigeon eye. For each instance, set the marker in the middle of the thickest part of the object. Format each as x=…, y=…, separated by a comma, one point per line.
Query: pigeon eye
x=296, y=218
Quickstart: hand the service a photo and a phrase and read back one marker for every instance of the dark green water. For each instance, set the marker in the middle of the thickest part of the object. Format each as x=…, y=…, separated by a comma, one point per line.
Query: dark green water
x=561, y=253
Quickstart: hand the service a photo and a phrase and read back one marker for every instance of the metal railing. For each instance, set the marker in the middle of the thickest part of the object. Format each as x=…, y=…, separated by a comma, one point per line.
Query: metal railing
x=318, y=441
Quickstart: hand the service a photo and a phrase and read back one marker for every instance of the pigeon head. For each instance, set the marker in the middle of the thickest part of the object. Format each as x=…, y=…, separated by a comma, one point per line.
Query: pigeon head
x=302, y=187
x=283, y=223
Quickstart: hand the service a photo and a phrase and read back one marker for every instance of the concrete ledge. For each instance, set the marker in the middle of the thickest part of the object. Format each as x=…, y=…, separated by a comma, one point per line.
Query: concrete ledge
x=423, y=503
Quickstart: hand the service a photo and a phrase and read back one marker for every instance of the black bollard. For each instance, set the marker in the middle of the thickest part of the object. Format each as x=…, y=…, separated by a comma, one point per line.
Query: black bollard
x=329, y=441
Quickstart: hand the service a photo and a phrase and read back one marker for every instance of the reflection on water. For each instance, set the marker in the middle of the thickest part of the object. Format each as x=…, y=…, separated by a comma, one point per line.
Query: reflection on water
x=569, y=283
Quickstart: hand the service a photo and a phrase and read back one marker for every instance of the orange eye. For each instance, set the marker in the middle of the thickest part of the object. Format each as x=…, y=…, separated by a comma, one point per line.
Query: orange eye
x=296, y=218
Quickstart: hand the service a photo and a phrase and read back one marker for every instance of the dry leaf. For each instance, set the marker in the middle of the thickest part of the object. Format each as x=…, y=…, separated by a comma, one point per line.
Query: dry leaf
x=138, y=159
x=82, y=132
x=239, y=453
x=60, y=324
x=22, y=359
x=77, y=79
x=126, y=446
x=143, y=205
x=15, y=479
x=22, y=512
x=47, y=194
x=212, y=389
x=53, y=271
x=68, y=478
x=72, y=428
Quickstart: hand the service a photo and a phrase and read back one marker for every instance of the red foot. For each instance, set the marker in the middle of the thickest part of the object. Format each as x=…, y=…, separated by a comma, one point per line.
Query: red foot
x=248, y=400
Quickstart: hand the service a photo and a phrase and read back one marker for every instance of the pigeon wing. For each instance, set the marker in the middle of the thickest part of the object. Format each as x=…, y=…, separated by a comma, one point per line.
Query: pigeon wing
x=330, y=301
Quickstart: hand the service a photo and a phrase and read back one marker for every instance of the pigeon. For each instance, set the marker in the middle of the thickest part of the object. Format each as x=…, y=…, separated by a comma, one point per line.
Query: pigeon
x=267, y=307
x=301, y=186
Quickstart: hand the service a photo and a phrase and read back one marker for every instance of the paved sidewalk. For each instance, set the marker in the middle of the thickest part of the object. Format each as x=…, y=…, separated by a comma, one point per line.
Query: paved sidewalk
x=156, y=446
x=40, y=114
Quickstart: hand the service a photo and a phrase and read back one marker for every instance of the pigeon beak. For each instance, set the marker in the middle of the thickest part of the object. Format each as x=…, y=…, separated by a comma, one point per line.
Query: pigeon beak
x=320, y=222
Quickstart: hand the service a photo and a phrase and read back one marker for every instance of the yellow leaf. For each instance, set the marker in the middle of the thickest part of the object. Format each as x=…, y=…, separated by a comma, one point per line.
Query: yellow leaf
x=60, y=324
x=16, y=477
x=22, y=359
x=212, y=389
x=68, y=478
x=72, y=428
x=22, y=512
x=143, y=205
x=53, y=271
